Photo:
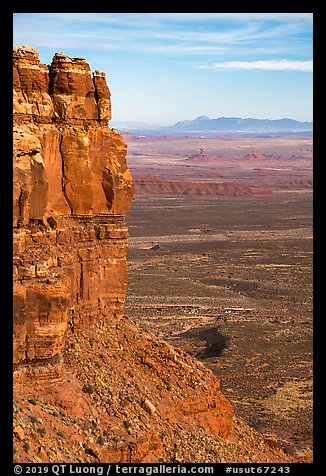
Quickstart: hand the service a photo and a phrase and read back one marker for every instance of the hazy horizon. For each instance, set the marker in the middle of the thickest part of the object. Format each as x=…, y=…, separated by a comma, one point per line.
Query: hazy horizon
x=194, y=118
x=163, y=68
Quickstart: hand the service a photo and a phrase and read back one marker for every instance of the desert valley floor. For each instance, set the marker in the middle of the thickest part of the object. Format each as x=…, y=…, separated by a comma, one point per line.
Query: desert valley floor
x=220, y=265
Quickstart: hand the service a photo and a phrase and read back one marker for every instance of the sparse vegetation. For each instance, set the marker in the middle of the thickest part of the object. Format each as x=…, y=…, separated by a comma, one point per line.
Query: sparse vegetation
x=100, y=441
x=26, y=447
x=34, y=419
x=89, y=389
x=127, y=424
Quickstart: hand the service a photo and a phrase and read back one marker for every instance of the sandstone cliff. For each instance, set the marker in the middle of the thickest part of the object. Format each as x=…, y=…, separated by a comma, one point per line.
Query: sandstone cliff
x=72, y=189
x=90, y=385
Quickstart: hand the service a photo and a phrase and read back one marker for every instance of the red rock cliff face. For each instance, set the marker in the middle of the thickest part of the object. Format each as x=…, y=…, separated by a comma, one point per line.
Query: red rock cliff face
x=72, y=190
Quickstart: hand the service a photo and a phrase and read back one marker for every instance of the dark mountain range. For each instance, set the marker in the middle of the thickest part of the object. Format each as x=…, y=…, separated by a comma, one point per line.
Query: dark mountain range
x=236, y=124
x=226, y=126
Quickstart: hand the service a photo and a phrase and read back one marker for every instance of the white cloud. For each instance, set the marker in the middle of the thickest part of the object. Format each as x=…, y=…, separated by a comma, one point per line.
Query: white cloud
x=143, y=28
x=267, y=65
x=218, y=36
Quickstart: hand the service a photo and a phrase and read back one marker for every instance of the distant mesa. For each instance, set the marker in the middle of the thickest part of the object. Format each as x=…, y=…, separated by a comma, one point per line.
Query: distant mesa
x=162, y=187
x=255, y=155
x=201, y=157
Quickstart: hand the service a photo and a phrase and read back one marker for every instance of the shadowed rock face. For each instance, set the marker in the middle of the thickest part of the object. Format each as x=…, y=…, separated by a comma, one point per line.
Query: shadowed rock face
x=72, y=190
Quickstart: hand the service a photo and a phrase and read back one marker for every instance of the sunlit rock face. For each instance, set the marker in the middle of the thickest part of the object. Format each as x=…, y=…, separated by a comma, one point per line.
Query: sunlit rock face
x=72, y=190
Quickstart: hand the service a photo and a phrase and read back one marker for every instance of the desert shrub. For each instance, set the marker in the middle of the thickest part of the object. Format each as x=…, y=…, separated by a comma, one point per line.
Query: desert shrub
x=127, y=424
x=88, y=389
x=26, y=446
x=100, y=440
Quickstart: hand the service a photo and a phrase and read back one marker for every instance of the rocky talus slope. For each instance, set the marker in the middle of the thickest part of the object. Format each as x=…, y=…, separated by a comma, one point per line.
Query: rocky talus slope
x=89, y=384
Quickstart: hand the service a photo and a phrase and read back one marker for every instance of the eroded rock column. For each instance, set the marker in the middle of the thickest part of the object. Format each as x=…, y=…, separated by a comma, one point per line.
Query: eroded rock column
x=72, y=190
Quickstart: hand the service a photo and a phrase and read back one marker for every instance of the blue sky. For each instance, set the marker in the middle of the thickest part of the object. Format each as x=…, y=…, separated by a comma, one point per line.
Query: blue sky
x=165, y=67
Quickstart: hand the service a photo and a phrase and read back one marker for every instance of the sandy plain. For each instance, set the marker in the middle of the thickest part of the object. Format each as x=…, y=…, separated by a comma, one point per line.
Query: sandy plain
x=227, y=275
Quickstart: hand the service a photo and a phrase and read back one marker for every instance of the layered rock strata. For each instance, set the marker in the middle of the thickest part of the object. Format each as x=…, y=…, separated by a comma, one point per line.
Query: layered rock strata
x=72, y=190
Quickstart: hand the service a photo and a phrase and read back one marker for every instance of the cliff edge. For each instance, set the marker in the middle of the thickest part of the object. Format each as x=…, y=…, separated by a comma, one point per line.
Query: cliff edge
x=72, y=190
